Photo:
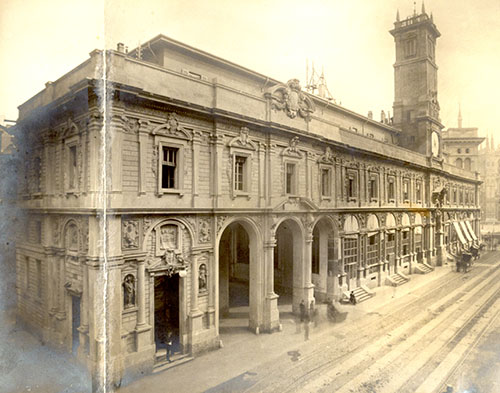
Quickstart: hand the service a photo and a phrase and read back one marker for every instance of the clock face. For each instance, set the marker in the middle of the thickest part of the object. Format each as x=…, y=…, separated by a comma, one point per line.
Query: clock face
x=435, y=144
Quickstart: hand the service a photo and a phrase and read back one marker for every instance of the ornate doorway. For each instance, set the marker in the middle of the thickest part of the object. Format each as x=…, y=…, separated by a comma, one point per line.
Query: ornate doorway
x=166, y=313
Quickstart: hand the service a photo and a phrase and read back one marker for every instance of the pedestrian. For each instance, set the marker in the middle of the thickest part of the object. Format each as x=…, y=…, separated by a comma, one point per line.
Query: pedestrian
x=169, y=345
x=352, y=298
x=312, y=313
x=302, y=307
x=306, y=328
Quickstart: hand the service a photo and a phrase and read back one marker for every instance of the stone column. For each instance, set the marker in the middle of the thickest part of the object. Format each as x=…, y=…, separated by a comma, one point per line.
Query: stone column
x=142, y=329
x=144, y=162
x=262, y=174
x=271, y=312
x=84, y=321
x=381, y=256
x=218, y=167
x=306, y=291
x=195, y=166
x=342, y=273
x=398, y=249
x=195, y=315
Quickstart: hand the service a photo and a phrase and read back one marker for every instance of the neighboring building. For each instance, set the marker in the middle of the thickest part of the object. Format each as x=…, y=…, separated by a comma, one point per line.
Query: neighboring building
x=462, y=146
x=489, y=167
x=222, y=181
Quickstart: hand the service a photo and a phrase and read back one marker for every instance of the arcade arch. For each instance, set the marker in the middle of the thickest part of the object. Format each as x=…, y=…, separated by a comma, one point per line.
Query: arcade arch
x=351, y=251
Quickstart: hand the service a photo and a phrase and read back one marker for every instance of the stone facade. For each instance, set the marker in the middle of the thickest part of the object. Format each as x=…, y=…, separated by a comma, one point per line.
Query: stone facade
x=214, y=175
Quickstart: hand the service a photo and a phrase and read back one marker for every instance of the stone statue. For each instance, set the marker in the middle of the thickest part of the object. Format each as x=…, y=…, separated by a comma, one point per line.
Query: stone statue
x=129, y=291
x=202, y=278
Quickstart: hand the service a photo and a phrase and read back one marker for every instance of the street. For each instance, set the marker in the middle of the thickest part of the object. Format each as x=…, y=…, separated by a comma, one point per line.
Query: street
x=445, y=331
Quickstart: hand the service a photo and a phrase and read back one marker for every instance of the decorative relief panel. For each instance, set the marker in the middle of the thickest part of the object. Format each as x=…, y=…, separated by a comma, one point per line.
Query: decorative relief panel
x=291, y=100
x=130, y=234
x=130, y=125
x=242, y=140
x=168, y=237
x=204, y=235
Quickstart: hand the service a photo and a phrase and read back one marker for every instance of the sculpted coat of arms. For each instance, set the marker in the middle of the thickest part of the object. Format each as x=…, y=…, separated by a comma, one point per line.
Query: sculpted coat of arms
x=291, y=99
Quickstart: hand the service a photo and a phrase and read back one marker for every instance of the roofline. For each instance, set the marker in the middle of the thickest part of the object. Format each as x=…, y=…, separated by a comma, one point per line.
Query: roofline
x=162, y=38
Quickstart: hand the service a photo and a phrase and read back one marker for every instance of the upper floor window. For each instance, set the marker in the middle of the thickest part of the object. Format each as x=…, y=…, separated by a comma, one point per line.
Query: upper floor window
x=373, y=186
x=467, y=150
x=418, y=191
x=351, y=189
x=73, y=168
x=454, y=195
x=391, y=189
x=410, y=47
x=325, y=183
x=169, y=167
x=290, y=178
x=406, y=189
x=430, y=47
x=37, y=173
x=239, y=173
x=459, y=151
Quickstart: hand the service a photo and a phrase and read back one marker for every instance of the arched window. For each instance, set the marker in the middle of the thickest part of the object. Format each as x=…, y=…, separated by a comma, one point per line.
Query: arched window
x=467, y=164
x=459, y=163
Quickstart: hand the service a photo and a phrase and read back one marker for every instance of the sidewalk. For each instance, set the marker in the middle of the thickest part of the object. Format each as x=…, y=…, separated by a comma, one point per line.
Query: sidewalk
x=227, y=369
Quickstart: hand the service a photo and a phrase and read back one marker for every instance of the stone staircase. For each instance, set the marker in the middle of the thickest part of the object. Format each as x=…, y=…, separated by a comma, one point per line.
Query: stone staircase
x=362, y=293
x=161, y=363
x=423, y=268
x=397, y=279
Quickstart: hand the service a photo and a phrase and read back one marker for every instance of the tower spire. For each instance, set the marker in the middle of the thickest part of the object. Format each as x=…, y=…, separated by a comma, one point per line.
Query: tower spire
x=423, y=7
x=397, y=16
x=414, y=8
x=459, y=116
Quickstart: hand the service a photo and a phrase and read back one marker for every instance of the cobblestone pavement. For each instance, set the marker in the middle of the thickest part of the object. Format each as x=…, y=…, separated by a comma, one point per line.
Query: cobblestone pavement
x=436, y=329
x=405, y=339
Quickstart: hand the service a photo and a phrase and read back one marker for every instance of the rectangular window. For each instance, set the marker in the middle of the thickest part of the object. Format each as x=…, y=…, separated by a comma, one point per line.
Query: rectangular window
x=169, y=167
x=418, y=191
x=454, y=196
x=410, y=47
x=73, y=169
x=239, y=173
x=290, y=178
x=373, y=187
x=390, y=237
x=38, y=278
x=351, y=189
x=406, y=189
x=390, y=189
x=325, y=183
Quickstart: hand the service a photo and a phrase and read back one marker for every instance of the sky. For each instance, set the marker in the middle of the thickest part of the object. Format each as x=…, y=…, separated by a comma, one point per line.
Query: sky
x=42, y=40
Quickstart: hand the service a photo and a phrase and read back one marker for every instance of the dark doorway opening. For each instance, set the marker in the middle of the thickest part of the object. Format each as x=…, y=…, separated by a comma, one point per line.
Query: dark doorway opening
x=166, y=311
x=283, y=264
x=234, y=268
x=75, y=323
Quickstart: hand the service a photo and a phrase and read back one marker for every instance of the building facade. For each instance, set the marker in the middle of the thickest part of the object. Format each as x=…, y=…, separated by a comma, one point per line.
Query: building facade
x=221, y=181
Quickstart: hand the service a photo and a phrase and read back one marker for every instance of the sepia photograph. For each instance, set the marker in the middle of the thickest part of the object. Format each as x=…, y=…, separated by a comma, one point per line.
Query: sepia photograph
x=249, y=196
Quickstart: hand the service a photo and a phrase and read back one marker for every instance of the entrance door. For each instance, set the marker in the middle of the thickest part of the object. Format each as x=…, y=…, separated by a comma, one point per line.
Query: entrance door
x=75, y=322
x=167, y=311
x=351, y=261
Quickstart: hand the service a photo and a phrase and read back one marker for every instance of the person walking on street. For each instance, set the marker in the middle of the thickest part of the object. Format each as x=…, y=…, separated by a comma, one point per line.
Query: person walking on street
x=169, y=345
x=312, y=313
x=302, y=307
x=352, y=298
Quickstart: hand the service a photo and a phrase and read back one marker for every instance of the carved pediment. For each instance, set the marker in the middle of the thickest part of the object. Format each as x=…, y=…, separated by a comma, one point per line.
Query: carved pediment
x=290, y=99
x=170, y=263
x=172, y=128
x=242, y=141
x=292, y=150
x=296, y=204
x=327, y=157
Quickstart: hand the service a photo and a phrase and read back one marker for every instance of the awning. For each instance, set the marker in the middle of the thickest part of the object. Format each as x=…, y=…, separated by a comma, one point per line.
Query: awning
x=469, y=227
x=466, y=231
x=459, y=233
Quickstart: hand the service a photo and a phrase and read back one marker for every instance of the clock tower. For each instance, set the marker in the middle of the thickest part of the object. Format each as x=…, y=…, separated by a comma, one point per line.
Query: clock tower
x=416, y=107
